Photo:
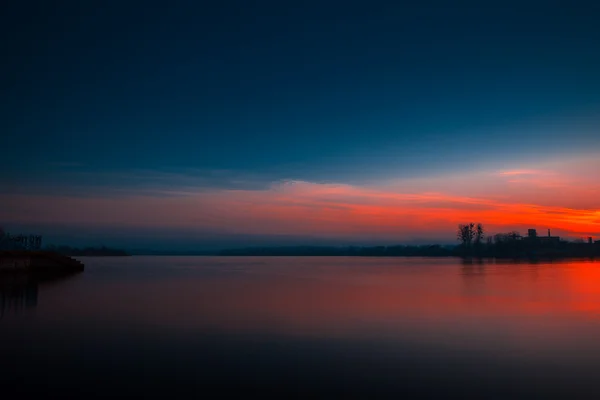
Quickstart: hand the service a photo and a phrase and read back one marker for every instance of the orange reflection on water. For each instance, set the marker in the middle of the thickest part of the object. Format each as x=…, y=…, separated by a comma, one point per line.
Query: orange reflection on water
x=343, y=296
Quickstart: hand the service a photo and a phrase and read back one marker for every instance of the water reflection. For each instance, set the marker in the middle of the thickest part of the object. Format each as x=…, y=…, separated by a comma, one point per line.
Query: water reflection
x=397, y=326
x=19, y=292
x=330, y=296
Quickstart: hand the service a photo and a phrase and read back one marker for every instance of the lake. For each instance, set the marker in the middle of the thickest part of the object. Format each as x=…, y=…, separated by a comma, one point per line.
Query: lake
x=307, y=326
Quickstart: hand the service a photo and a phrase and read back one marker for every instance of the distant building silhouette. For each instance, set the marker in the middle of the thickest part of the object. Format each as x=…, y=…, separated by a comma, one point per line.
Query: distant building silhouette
x=544, y=241
x=549, y=240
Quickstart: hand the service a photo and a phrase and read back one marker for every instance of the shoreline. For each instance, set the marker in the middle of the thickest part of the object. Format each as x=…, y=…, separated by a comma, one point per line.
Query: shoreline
x=38, y=262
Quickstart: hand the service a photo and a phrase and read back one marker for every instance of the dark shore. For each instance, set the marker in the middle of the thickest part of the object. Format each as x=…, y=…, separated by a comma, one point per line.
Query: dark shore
x=564, y=250
x=38, y=262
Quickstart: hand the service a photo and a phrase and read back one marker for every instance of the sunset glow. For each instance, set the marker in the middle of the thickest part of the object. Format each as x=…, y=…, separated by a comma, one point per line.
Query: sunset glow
x=564, y=200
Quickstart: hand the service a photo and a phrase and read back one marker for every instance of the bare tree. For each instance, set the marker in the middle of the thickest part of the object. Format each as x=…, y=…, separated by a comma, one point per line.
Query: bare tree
x=479, y=234
x=466, y=233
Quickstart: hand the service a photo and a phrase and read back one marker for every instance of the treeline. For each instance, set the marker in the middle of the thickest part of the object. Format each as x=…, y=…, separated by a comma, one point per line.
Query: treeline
x=375, y=251
x=474, y=243
x=526, y=248
x=87, y=251
x=514, y=250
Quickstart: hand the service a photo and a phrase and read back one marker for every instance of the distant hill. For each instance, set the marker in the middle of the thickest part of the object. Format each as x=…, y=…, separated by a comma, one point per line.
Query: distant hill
x=147, y=252
x=87, y=251
x=375, y=251
x=513, y=250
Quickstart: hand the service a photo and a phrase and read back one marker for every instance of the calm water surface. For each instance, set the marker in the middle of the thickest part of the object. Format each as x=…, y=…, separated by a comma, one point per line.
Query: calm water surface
x=370, y=327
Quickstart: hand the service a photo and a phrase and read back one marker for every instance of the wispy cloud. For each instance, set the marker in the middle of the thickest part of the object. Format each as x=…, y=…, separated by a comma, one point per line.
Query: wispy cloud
x=228, y=202
x=520, y=172
x=161, y=183
x=301, y=208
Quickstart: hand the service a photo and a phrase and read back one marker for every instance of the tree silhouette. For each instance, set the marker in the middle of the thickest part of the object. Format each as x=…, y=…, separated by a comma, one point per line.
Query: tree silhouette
x=466, y=233
x=506, y=237
x=479, y=234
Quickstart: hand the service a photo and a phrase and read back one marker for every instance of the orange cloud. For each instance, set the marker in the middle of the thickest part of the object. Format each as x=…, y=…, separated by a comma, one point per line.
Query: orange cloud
x=303, y=208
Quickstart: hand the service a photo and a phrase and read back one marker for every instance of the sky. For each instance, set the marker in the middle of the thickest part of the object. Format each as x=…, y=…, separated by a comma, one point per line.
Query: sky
x=189, y=124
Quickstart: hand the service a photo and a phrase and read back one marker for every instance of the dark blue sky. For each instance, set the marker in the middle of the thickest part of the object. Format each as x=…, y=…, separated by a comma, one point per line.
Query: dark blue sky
x=323, y=91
